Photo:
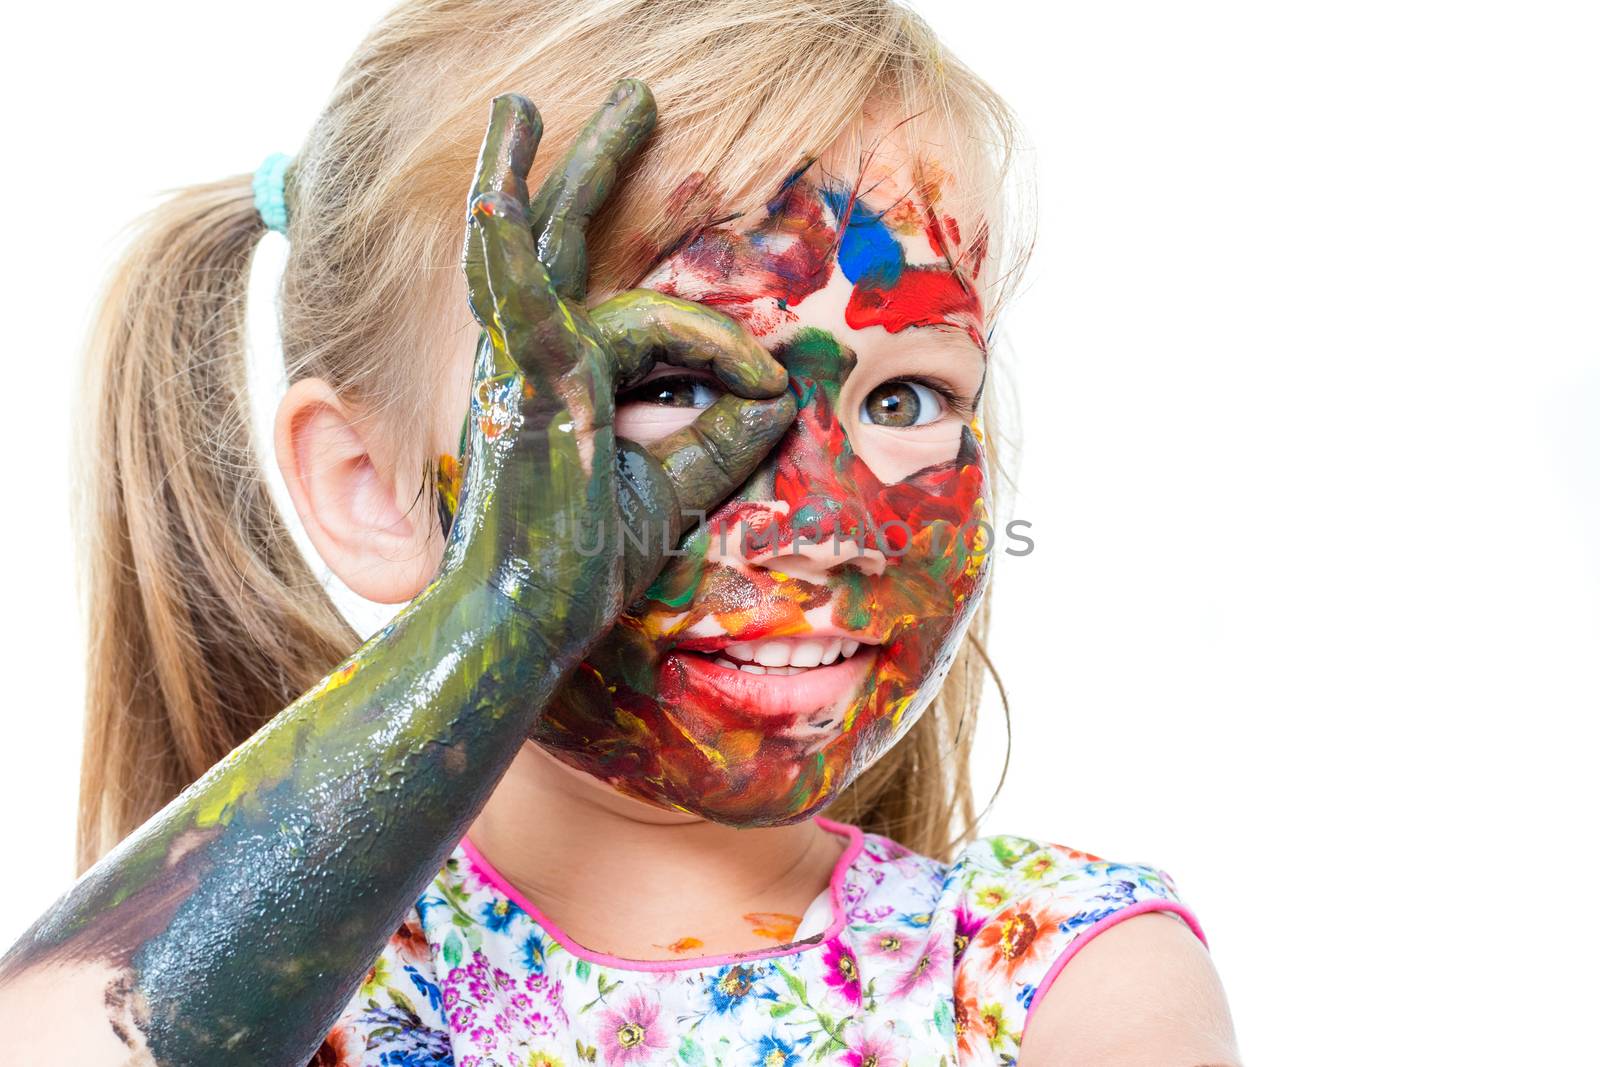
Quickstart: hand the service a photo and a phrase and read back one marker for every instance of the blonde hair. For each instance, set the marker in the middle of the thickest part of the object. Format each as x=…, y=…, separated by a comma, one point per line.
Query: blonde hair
x=205, y=620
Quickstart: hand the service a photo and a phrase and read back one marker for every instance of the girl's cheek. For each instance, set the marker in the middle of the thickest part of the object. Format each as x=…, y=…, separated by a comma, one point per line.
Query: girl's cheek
x=895, y=455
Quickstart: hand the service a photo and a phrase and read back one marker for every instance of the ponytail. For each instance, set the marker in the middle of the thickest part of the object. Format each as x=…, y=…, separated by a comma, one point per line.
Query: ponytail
x=204, y=620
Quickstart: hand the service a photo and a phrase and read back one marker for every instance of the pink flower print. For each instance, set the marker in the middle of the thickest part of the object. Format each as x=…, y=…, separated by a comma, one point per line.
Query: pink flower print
x=873, y=1046
x=633, y=1032
x=843, y=976
x=470, y=878
x=891, y=946
x=931, y=963
x=967, y=924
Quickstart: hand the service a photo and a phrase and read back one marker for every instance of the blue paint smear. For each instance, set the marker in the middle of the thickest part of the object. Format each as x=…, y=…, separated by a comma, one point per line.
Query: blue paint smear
x=867, y=250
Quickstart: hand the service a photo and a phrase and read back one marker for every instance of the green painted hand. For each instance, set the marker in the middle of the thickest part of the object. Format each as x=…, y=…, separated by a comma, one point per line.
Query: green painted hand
x=558, y=514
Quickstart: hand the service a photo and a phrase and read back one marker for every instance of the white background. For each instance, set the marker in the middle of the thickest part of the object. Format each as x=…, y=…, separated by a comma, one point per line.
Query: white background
x=1310, y=388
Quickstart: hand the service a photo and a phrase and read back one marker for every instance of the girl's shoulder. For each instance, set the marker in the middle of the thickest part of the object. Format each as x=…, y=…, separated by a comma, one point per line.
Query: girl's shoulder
x=1023, y=909
x=1018, y=909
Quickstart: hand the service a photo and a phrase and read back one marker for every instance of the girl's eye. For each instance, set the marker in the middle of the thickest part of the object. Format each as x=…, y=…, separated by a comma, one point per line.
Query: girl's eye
x=679, y=392
x=902, y=403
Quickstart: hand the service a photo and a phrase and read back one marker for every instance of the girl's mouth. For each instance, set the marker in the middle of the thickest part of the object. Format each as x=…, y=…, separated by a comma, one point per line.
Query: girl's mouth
x=797, y=678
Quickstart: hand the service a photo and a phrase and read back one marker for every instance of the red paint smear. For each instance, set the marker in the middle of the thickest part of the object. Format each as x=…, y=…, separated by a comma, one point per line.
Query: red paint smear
x=954, y=227
x=935, y=233
x=923, y=296
x=785, y=259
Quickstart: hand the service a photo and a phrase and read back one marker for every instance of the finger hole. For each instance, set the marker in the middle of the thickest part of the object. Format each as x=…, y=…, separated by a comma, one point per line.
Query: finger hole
x=650, y=328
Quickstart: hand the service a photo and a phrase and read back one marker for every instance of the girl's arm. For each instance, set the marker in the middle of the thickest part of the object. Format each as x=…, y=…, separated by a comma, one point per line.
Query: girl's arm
x=235, y=924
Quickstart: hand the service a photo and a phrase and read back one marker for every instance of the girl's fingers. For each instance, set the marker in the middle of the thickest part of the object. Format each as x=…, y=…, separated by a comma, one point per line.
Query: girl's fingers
x=580, y=183
x=712, y=456
x=643, y=326
x=511, y=293
x=508, y=148
x=509, y=144
x=647, y=507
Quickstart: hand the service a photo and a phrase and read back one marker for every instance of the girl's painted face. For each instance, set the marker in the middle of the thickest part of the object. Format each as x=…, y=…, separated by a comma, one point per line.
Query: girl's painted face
x=812, y=617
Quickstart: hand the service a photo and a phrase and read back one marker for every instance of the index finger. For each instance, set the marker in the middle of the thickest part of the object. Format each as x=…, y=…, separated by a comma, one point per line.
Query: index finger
x=582, y=180
x=508, y=148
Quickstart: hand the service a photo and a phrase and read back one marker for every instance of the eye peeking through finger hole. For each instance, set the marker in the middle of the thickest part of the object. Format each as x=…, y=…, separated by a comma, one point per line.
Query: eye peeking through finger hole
x=666, y=400
x=677, y=391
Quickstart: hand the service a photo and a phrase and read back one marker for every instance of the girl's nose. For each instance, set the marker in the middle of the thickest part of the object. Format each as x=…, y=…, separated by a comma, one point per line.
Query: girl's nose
x=814, y=561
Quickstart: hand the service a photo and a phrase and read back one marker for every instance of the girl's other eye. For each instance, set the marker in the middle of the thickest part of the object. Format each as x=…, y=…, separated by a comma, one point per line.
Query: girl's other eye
x=681, y=391
x=902, y=403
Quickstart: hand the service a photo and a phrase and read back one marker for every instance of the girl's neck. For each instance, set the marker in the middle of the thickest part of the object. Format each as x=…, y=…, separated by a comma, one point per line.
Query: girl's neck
x=624, y=878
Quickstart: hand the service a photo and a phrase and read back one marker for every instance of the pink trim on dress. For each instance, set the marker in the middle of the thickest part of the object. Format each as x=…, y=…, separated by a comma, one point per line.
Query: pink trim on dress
x=487, y=872
x=1101, y=927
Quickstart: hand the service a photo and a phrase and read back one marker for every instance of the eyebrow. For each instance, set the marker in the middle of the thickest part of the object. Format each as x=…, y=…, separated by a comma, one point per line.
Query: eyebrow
x=945, y=337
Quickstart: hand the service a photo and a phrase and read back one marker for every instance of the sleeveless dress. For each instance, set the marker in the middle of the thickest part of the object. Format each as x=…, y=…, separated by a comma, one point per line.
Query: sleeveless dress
x=903, y=962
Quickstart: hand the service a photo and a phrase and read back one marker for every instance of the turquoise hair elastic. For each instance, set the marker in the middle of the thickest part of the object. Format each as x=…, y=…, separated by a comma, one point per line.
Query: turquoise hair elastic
x=268, y=187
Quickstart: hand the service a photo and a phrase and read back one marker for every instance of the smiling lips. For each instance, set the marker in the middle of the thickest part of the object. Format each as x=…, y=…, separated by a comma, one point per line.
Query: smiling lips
x=781, y=677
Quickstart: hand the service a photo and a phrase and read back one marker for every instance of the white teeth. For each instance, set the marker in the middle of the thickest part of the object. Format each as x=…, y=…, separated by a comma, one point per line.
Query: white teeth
x=786, y=655
x=773, y=653
x=806, y=654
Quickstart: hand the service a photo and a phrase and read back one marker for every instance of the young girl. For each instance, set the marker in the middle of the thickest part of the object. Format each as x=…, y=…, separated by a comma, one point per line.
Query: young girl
x=691, y=516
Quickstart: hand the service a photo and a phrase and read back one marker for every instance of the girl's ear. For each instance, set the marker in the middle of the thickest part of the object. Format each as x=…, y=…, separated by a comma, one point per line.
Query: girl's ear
x=368, y=521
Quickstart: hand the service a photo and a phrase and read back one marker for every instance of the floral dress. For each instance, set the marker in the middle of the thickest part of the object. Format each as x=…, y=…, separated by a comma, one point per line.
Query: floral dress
x=904, y=962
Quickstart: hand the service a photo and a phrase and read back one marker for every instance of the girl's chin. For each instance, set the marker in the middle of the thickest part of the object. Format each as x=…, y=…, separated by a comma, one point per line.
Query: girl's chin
x=741, y=812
